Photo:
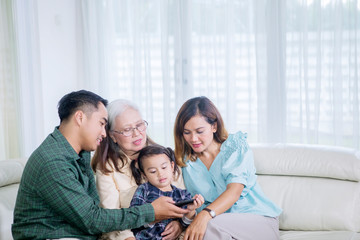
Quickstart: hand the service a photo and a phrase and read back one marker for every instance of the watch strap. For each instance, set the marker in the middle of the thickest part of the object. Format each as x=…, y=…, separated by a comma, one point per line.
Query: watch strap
x=211, y=212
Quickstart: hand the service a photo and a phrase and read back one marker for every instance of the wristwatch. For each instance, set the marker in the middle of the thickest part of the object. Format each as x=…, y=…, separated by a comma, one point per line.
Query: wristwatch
x=211, y=212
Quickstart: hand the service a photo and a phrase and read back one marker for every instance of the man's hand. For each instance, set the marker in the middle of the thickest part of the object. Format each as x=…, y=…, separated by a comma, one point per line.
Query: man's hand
x=164, y=209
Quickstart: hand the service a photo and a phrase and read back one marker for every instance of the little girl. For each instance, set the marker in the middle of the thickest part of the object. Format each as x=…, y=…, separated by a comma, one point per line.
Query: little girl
x=157, y=165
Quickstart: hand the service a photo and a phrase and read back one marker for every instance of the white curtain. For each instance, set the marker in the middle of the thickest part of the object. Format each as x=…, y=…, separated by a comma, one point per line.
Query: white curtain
x=31, y=101
x=283, y=71
x=9, y=95
x=21, y=115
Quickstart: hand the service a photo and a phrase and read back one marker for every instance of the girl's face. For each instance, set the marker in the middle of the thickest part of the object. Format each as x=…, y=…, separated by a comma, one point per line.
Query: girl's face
x=159, y=171
x=199, y=134
x=129, y=120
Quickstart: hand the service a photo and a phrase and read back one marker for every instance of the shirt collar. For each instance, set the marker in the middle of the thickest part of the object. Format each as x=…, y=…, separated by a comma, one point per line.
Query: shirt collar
x=70, y=153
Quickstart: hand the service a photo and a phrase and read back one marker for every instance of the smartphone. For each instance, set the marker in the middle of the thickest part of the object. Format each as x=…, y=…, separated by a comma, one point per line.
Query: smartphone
x=183, y=203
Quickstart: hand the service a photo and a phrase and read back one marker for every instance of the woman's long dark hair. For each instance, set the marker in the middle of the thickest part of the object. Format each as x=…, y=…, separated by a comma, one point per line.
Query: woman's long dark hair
x=201, y=106
x=148, y=151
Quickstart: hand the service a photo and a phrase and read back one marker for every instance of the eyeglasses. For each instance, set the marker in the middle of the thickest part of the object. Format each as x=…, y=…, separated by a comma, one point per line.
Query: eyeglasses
x=127, y=132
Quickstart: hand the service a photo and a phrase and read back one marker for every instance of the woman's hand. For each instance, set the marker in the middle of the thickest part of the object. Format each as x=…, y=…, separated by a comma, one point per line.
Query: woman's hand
x=130, y=238
x=197, y=228
x=172, y=230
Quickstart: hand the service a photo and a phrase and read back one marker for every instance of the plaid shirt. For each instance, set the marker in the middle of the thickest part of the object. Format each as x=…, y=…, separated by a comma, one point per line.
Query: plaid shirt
x=147, y=193
x=57, y=197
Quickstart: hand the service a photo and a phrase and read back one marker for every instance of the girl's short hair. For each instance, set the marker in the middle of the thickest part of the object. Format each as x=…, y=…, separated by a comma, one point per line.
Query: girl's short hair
x=201, y=106
x=151, y=151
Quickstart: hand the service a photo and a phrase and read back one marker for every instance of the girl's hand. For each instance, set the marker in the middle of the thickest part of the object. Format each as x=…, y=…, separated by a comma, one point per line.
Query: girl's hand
x=196, y=230
x=172, y=230
x=198, y=201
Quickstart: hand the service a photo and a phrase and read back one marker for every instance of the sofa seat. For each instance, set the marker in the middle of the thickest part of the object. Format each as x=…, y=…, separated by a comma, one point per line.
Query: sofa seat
x=8, y=197
x=10, y=175
x=319, y=235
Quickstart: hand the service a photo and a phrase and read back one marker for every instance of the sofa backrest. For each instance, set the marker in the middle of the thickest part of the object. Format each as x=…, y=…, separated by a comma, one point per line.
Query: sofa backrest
x=317, y=187
x=10, y=175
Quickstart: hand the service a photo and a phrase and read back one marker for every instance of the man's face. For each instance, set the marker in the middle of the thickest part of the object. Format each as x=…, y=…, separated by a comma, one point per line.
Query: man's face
x=93, y=128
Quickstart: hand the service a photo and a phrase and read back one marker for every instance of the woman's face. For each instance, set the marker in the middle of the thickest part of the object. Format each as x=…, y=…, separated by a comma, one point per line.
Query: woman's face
x=126, y=121
x=199, y=134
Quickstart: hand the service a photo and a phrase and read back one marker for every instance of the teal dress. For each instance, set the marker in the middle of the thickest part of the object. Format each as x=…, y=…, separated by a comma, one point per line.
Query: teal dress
x=234, y=164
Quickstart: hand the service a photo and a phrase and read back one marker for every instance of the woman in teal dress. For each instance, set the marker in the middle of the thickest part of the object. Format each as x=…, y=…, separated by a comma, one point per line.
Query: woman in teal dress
x=221, y=168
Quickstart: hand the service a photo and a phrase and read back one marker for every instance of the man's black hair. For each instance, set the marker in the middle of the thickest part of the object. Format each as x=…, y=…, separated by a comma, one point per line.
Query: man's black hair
x=85, y=100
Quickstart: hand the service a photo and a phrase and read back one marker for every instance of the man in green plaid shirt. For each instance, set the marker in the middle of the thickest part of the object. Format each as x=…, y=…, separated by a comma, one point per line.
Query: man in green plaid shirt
x=57, y=197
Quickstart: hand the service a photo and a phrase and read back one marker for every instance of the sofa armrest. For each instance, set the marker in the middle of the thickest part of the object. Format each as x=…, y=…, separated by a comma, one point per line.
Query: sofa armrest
x=11, y=171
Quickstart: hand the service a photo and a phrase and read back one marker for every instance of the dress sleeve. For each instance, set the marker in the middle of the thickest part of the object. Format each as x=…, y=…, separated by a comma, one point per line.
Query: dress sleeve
x=238, y=163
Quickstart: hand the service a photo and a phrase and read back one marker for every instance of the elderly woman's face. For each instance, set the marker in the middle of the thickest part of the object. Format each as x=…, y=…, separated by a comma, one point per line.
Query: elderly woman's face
x=129, y=120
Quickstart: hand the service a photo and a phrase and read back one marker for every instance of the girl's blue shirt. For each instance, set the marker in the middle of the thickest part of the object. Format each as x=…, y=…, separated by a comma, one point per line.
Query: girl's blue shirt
x=234, y=164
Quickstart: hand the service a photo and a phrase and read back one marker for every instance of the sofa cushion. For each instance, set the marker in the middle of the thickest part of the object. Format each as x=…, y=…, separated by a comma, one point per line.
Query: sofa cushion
x=319, y=235
x=7, y=203
x=307, y=160
x=10, y=172
x=317, y=187
x=314, y=204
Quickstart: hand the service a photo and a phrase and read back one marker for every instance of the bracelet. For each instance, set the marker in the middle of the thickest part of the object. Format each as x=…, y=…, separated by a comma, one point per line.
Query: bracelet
x=186, y=220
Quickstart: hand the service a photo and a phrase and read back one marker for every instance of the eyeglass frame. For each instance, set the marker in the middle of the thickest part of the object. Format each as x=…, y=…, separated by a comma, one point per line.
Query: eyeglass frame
x=131, y=130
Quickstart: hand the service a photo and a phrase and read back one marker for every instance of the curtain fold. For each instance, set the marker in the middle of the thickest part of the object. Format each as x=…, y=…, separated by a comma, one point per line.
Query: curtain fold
x=321, y=73
x=10, y=133
x=283, y=71
x=21, y=112
x=30, y=104
x=96, y=45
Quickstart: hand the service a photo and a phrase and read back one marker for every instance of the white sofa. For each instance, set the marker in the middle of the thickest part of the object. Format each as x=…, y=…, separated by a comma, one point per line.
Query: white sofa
x=317, y=187
x=10, y=175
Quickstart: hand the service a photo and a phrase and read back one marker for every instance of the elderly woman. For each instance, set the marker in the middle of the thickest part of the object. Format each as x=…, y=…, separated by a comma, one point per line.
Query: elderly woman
x=126, y=135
